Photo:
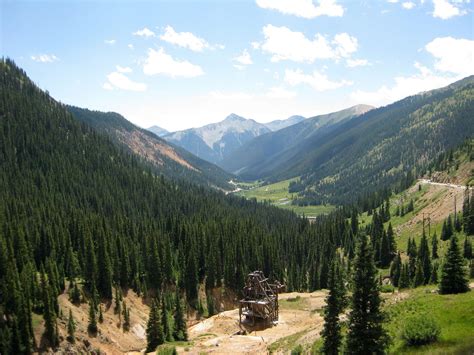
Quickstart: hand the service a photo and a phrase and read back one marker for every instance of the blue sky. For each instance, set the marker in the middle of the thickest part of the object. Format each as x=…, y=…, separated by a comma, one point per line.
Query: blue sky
x=181, y=64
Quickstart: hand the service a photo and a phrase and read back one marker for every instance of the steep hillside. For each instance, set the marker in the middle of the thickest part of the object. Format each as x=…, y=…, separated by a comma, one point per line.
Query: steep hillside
x=382, y=147
x=261, y=156
x=74, y=208
x=168, y=159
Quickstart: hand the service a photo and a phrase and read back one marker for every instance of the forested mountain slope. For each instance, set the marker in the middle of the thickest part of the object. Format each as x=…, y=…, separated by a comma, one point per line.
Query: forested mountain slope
x=74, y=205
x=260, y=156
x=383, y=147
x=170, y=160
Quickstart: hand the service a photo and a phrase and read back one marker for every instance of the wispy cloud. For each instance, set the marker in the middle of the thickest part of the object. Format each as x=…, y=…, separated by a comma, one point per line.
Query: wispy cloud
x=243, y=60
x=118, y=80
x=44, y=58
x=144, y=32
x=158, y=62
x=318, y=81
x=304, y=8
x=352, y=63
x=123, y=69
x=110, y=41
x=408, y=5
x=184, y=39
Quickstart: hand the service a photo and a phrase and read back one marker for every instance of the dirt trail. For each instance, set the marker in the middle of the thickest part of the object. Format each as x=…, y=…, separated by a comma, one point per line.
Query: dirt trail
x=299, y=317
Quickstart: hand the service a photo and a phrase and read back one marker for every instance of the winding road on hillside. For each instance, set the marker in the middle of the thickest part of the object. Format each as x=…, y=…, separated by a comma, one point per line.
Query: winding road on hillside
x=454, y=186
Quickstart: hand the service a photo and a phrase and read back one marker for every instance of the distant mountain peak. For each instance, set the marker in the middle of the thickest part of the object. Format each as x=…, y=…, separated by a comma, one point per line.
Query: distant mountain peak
x=160, y=132
x=234, y=117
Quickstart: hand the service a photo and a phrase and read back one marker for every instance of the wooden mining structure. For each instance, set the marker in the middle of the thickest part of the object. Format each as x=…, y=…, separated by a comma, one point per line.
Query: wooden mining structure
x=260, y=300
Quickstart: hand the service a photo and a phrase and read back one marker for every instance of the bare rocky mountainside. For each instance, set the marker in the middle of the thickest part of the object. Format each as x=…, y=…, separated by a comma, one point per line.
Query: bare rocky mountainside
x=217, y=141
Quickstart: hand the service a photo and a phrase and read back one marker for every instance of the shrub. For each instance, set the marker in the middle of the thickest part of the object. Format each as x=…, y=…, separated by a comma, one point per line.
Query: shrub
x=297, y=350
x=387, y=289
x=420, y=329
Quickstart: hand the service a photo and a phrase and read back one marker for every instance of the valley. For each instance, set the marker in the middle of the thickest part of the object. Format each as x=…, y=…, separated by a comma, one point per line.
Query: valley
x=237, y=177
x=277, y=194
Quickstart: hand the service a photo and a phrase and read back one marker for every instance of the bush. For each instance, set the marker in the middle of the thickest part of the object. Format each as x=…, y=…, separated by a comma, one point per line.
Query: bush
x=297, y=350
x=420, y=329
x=387, y=289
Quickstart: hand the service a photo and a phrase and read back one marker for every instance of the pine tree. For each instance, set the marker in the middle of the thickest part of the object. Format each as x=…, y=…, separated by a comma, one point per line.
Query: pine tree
x=419, y=278
x=71, y=328
x=434, y=273
x=366, y=334
x=434, y=247
x=101, y=316
x=191, y=277
x=385, y=251
x=404, y=281
x=154, y=329
x=126, y=316
x=335, y=304
x=424, y=257
x=49, y=313
x=92, y=326
x=180, y=330
x=75, y=295
x=165, y=321
x=453, y=275
x=395, y=270
x=467, y=248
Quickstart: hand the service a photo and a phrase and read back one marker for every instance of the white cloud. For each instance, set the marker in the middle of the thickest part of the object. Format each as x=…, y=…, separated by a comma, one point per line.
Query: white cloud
x=130, y=46
x=145, y=32
x=159, y=62
x=317, y=80
x=184, y=39
x=452, y=55
x=45, y=58
x=445, y=9
x=121, y=81
x=123, y=69
x=352, y=63
x=107, y=86
x=303, y=8
x=279, y=92
x=345, y=44
x=244, y=58
x=110, y=41
x=392, y=1
x=285, y=44
x=404, y=86
x=255, y=45
x=408, y=5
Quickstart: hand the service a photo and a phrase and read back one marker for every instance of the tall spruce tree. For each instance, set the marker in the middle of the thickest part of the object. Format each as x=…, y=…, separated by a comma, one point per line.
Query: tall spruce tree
x=335, y=304
x=366, y=334
x=453, y=273
x=154, y=329
x=92, y=325
x=165, y=321
x=180, y=330
x=71, y=328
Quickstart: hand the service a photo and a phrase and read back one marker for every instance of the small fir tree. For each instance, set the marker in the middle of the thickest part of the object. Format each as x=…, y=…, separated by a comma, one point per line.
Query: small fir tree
x=453, y=275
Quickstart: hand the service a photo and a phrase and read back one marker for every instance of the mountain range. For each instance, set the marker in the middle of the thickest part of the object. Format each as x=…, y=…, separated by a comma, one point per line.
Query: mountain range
x=361, y=150
x=260, y=156
x=215, y=142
